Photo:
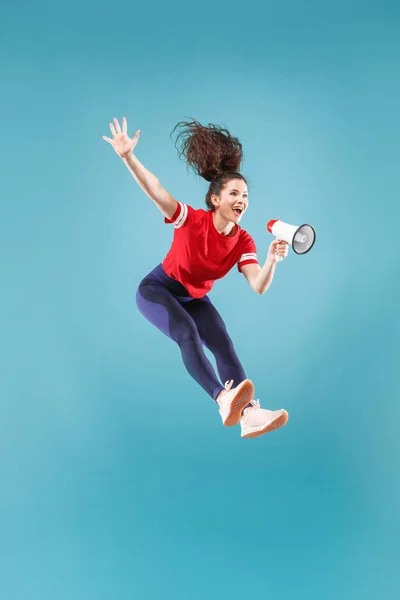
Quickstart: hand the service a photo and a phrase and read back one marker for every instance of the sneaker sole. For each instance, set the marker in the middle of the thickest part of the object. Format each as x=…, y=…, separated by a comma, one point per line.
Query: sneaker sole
x=243, y=397
x=279, y=421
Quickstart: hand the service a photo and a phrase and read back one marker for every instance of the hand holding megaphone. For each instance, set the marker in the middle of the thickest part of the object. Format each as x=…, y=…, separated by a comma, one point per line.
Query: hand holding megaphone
x=301, y=238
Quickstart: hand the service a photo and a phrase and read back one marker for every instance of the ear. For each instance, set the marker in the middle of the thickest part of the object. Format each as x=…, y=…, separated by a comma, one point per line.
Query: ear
x=215, y=200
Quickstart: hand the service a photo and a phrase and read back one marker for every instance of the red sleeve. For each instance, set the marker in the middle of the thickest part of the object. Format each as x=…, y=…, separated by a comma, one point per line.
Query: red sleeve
x=180, y=216
x=249, y=253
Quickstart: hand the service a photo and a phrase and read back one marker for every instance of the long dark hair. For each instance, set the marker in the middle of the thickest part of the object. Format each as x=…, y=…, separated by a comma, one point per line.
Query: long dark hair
x=212, y=152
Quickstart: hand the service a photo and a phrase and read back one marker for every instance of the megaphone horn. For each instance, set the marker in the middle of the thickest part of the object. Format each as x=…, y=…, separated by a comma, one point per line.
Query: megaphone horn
x=301, y=238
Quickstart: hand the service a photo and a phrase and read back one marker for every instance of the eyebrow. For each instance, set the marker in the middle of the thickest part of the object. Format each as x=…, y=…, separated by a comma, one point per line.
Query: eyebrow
x=235, y=190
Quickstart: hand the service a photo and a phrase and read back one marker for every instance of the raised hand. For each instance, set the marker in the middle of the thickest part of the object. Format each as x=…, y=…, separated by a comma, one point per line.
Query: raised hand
x=122, y=144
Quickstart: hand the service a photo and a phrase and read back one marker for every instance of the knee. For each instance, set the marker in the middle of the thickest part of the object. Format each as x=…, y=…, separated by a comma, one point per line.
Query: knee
x=139, y=296
x=144, y=291
x=186, y=333
x=147, y=297
x=144, y=283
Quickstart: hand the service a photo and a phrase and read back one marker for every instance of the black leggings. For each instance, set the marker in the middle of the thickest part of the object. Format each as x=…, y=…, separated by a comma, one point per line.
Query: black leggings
x=191, y=323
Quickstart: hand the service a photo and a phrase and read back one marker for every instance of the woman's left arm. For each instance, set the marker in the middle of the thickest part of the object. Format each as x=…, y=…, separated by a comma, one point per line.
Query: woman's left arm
x=260, y=278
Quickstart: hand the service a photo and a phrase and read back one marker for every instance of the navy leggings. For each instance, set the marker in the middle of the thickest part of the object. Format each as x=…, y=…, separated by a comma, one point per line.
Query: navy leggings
x=191, y=323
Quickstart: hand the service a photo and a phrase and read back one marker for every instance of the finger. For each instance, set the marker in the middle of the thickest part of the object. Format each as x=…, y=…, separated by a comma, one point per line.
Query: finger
x=136, y=138
x=113, y=129
x=124, y=126
x=118, y=128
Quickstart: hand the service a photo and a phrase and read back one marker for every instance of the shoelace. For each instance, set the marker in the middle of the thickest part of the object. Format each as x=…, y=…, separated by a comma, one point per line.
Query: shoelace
x=254, y=403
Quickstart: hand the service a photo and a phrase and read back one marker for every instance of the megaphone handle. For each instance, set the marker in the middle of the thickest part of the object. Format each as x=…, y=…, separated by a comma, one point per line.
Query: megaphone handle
x=278, y=258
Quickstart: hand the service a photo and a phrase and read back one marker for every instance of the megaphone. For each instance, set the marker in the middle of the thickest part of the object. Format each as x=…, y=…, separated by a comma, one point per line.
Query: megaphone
x=301, y=238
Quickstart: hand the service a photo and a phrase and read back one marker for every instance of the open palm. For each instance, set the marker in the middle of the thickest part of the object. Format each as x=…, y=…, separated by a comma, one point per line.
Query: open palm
x=121, y=142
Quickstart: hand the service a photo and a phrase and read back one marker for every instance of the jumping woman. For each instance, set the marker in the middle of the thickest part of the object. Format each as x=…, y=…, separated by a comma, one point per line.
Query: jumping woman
x=206, y=245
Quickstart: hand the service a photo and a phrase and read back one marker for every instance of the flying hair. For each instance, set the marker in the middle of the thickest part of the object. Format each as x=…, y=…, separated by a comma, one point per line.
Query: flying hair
x=211, y=151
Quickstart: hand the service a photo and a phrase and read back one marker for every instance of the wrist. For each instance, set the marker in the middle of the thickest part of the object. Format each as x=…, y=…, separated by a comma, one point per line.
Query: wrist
x=126, y=156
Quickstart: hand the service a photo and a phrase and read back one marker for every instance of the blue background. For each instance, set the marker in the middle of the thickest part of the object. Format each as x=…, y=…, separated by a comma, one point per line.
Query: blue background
x=117, y=477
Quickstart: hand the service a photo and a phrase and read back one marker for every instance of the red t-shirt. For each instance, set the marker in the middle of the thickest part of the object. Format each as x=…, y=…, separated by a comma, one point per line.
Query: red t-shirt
x=199, y=254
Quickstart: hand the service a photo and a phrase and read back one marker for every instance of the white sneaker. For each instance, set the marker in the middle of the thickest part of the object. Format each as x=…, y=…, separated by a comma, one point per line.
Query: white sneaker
x=256, y=420
x=232, y=401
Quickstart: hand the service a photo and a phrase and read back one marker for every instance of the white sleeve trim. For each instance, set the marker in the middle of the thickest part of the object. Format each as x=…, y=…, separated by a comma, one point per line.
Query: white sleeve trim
x=181, y=218
x=248, y=256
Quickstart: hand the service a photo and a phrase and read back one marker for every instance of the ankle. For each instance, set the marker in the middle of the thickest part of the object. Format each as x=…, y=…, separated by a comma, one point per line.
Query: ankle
x=219, y=397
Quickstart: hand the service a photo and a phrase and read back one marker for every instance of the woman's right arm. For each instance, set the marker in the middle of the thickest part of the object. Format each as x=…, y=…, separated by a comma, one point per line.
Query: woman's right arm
x=123, y=146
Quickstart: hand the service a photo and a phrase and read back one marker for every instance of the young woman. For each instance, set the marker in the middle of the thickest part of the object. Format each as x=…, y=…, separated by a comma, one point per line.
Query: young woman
x=206, y=245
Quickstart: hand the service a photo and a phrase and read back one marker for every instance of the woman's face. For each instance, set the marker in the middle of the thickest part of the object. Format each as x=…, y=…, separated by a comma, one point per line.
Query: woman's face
x=232, y=201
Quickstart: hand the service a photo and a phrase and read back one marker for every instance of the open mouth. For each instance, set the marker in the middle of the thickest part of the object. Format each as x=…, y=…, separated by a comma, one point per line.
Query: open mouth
x=237, y=211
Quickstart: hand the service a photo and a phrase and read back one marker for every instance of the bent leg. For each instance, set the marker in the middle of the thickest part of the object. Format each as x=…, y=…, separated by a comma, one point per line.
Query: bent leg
x=215, y=337
x=159, y=306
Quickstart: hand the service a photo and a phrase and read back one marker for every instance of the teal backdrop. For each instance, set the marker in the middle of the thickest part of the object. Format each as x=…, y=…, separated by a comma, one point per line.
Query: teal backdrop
x=117, y=478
